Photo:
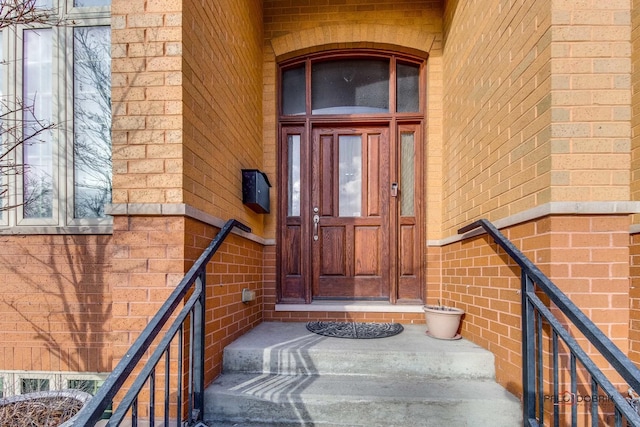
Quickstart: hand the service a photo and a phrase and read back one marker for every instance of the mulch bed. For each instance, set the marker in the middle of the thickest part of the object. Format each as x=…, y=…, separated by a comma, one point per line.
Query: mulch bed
x=39, y=412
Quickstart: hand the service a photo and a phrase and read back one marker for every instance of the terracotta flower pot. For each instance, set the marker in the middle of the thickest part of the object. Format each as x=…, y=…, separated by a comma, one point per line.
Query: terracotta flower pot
x=443, y=321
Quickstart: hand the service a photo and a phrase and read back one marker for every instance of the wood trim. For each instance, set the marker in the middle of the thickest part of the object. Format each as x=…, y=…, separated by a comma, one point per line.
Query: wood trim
x=394, y=122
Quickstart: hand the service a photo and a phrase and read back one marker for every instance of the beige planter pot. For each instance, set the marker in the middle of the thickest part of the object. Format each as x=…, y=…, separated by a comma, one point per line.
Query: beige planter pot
x=443, y=322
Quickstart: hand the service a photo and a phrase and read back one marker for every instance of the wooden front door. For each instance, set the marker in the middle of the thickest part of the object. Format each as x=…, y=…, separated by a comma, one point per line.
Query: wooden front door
x=351, y=216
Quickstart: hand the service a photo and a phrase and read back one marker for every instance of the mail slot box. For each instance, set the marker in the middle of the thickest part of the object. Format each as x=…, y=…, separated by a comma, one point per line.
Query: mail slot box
x=255, y=190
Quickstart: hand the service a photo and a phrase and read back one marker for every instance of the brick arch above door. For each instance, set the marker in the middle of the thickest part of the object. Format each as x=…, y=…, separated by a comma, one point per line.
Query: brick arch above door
x=400, y=39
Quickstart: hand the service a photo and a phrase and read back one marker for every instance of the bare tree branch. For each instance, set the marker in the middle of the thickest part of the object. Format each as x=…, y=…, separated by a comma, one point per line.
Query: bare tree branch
x=16, y=132
x=21, y=127
x=22, y=12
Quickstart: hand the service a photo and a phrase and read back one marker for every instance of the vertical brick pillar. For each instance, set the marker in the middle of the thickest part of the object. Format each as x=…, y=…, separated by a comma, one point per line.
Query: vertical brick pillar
x=588, y=259
x=634, y=296
x=148, y=261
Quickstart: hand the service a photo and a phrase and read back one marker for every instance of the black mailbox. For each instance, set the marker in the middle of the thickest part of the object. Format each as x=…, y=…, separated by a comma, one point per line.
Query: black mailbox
x=255, y=190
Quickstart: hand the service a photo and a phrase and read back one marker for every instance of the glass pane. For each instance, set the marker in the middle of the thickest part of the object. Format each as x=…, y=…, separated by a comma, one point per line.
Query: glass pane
x=293, y=91
x=88, y=386
x=294, y=175
x=407, y=174
x=350, y=171
x=92, y=120
x=30, y=385
x=350, y=86
x=37, y=116
x=88, y=3
x=47, y=4
x=3, y=148
x=408, y=83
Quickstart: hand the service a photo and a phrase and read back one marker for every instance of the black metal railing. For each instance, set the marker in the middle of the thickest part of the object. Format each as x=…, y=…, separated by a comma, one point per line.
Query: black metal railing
x=538, y=320
x=188, y=330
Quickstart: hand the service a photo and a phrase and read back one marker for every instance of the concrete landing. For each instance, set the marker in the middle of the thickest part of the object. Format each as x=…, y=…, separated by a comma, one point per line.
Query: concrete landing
x=281, y=374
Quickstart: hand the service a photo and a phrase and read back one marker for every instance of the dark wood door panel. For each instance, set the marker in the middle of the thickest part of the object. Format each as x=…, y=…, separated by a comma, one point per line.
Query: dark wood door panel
x=351, y=175
x=332, y=242
x=367, y=251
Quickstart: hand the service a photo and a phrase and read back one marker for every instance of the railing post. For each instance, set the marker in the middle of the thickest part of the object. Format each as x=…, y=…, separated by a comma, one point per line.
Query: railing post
x=198, y=347
x=528, y=352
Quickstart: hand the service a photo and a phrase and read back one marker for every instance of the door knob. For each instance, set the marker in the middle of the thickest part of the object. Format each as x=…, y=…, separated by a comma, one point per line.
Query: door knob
x=394, y=189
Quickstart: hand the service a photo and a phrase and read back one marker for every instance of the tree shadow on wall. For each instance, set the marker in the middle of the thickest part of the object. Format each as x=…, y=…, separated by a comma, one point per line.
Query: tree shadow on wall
x=60, y=291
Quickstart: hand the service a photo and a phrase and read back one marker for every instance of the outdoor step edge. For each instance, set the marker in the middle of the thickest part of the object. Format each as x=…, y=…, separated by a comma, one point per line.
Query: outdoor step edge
x=447, y=365
x=244, y=398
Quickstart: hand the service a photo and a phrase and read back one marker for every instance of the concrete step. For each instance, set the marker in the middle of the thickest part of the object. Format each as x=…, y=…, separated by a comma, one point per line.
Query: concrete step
x=360, y=401
x=288, y=348
x=280, y=374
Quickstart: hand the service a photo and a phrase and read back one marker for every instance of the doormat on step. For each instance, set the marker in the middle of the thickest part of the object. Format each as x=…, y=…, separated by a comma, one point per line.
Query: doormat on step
x=355, y=330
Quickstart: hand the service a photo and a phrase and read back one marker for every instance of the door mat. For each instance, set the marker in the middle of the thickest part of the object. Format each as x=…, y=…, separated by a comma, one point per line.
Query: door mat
x=355, y=330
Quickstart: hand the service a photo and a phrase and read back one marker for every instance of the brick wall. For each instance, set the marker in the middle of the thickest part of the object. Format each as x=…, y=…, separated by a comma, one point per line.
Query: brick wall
x=544, y=89
x=187, y=99
x=236, y=266
x=635, y=102
x=222, y=89
x=497, y=77
x=634, y=300
x=55, y=303
x=586, y=257
x=147, y=101
x=591, y=90
x=634, y=333
x=148, y=262
x=151, y=256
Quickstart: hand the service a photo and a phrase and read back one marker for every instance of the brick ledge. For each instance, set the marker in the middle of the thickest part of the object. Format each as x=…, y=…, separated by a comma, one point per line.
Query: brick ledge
x=180, y=209
x=552, y=208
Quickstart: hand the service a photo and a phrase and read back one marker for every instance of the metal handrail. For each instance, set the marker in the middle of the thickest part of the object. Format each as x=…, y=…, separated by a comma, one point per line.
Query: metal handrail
x=534, y=311
x=192, y=309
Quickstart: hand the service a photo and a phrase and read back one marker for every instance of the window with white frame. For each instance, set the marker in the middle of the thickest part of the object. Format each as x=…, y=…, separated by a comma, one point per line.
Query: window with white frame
x=55, y=87
x=14, y=383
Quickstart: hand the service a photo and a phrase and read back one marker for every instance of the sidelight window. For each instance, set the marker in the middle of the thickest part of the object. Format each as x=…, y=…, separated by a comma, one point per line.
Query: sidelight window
x=294, y=175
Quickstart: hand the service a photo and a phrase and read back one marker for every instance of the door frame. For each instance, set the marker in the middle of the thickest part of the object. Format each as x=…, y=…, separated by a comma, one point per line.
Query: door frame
x=298, y=288
x=293, y=270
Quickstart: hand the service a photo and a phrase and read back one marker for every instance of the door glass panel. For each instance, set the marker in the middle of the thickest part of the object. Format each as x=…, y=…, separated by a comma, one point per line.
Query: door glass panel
x=294, y=175
x=407, y=173
x=350, y=175
x=293, y=91
x=408, y=88
x=350, y=86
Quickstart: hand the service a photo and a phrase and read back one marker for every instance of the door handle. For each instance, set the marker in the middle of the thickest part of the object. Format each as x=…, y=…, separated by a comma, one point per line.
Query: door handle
x=394, y=189
x=316, y=220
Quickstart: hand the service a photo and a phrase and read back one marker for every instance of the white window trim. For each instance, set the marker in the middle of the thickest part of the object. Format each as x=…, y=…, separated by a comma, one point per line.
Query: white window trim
x=57, y=379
